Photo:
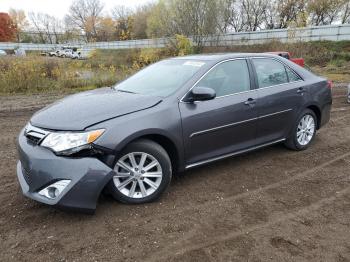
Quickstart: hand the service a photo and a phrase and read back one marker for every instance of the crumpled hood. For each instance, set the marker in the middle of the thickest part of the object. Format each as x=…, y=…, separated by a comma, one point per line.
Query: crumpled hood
x=76, y=112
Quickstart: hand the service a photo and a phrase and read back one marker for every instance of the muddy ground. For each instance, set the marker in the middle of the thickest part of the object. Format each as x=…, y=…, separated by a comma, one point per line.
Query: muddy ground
x=269, y=205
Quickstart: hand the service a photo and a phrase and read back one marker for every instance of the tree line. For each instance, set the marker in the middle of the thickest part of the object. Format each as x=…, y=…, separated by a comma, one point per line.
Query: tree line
x=88, y=20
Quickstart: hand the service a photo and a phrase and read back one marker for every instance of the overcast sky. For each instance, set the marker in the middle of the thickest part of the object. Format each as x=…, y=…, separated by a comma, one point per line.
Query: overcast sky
x=59, y=8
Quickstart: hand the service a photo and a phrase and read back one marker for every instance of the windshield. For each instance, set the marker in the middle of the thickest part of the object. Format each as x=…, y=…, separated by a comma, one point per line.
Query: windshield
x=162, y=78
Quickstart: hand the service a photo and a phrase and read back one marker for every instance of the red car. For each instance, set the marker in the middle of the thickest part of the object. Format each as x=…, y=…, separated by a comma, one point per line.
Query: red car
x=298, y=61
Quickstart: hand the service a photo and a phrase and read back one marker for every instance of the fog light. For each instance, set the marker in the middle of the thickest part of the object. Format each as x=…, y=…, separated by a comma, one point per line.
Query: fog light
x=55, y=189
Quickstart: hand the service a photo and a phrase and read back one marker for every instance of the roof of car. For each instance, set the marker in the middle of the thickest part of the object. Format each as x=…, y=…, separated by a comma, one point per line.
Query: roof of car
x=221, y=56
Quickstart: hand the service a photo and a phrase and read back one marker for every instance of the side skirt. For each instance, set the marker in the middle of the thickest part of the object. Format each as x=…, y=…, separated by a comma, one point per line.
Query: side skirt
x=232, y=154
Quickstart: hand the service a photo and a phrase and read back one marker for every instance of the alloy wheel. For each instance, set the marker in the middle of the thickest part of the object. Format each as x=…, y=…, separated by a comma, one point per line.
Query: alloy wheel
x=138, y=175
x=306, y=129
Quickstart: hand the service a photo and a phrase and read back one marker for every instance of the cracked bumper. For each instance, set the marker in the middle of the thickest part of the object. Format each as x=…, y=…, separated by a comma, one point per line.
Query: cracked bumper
x=39, y=167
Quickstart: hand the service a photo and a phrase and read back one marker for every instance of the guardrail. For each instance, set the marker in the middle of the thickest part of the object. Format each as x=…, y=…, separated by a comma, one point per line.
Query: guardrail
x=316, y=33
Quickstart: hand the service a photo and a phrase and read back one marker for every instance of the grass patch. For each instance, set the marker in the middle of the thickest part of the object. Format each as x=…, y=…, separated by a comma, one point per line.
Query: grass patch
x=337, y=70
x=33, y=74
x=36, y=74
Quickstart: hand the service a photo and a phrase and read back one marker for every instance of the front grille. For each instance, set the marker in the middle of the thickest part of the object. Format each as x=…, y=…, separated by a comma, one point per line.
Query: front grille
x=26, y=176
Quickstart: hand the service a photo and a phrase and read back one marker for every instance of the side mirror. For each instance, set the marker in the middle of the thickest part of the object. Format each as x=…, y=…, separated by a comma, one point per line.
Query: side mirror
x=201, y=94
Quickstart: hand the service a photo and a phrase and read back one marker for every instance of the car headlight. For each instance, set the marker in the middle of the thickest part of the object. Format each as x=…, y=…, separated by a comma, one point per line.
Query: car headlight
x=70, y=142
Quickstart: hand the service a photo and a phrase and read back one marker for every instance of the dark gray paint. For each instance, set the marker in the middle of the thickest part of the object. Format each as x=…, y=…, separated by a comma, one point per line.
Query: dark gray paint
x=199, y=131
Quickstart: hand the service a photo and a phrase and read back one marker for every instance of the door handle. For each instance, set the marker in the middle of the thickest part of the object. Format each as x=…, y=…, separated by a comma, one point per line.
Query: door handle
x=301, y=90
x=250, y=102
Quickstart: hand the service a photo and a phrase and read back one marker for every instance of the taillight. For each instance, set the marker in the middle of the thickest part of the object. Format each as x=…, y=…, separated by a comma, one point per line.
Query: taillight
x=329, y=84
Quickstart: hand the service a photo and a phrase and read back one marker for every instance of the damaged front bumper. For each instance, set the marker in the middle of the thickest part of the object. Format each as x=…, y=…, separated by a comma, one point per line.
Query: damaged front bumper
x=79, y=181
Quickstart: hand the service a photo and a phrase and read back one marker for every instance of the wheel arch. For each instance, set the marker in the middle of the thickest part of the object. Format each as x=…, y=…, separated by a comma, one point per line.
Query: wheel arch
x=169, y=147
x=317, y=112
x=166, y=141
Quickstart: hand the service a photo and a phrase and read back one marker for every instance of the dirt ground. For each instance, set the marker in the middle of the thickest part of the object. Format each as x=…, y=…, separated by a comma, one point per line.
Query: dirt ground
x=269, y=205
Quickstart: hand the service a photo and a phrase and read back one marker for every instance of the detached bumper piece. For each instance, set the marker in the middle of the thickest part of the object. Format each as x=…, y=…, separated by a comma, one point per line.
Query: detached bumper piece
x=70, y=183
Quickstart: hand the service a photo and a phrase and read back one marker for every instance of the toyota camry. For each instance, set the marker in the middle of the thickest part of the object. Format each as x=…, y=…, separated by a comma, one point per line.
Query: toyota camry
x=180, y=113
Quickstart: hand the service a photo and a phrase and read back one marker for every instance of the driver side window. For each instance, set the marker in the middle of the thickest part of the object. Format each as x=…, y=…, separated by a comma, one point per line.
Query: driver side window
x=227, y=78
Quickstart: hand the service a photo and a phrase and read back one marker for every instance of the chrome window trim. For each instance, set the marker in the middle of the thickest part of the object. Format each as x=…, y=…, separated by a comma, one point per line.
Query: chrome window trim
x=261, y=88
x=217, y=64
x=199, y=163
x=209, y=130
x=242, y=58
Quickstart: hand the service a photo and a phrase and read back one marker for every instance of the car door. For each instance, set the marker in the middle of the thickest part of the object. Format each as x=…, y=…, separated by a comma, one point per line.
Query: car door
x=280, y=97
x=225, y=124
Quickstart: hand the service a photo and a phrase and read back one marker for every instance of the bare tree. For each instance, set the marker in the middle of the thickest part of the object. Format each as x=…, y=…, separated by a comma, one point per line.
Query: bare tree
x=47, y=27
x=37, y=27
x=253, y=13
x=288, y=12
x=270, y=15
x=86, y=15
x=196, y=18
x=324, y=12
x=121, y=12
x=230, y=16
x=345, y=13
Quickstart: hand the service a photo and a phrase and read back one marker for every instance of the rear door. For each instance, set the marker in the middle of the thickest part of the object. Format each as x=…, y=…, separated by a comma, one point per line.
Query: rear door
x=225, y=124
x=281, y=95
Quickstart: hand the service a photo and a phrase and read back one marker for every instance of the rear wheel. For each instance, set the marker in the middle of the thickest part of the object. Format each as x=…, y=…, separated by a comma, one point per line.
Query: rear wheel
x=303, y=132
x=143, y=172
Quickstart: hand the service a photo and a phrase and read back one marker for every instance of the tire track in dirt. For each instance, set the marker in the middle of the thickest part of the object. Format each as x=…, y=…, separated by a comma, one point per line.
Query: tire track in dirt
x=191, y=241
x=207, y=204
x=201, y=220
x=164, y=256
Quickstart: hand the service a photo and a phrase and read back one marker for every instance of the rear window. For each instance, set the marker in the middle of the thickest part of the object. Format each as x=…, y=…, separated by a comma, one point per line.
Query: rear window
x=292, y=76
x=270, y=72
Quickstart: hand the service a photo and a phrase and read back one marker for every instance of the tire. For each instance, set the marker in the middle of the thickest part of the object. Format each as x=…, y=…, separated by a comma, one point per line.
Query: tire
x=131, y=192
x=293, y=142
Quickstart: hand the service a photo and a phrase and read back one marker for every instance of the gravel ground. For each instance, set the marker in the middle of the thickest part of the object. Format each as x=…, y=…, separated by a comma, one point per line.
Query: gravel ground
x=269, y=205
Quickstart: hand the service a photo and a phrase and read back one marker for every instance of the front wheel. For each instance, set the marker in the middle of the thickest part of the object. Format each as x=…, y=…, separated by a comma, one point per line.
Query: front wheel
x=303, y=132
x=142, y=173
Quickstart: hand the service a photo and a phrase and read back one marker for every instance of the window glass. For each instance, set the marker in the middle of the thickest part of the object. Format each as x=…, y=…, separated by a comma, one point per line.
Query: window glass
x=228, y=78
x=292, y=76
x=162, y=78
x=270, y=72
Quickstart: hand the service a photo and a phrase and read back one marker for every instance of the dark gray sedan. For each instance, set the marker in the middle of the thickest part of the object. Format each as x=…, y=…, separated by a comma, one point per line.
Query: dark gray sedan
x=176, y=114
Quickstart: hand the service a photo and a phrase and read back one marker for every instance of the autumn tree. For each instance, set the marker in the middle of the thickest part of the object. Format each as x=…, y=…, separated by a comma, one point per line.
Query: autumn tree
x=106, y=29
x=20, y=21
x=122, y=16
x=158, y=22
x=7, y=28
x=139, y=20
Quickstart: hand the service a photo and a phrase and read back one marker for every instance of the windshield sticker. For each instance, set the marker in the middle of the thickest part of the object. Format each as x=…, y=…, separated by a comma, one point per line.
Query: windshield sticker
x=194, y=63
